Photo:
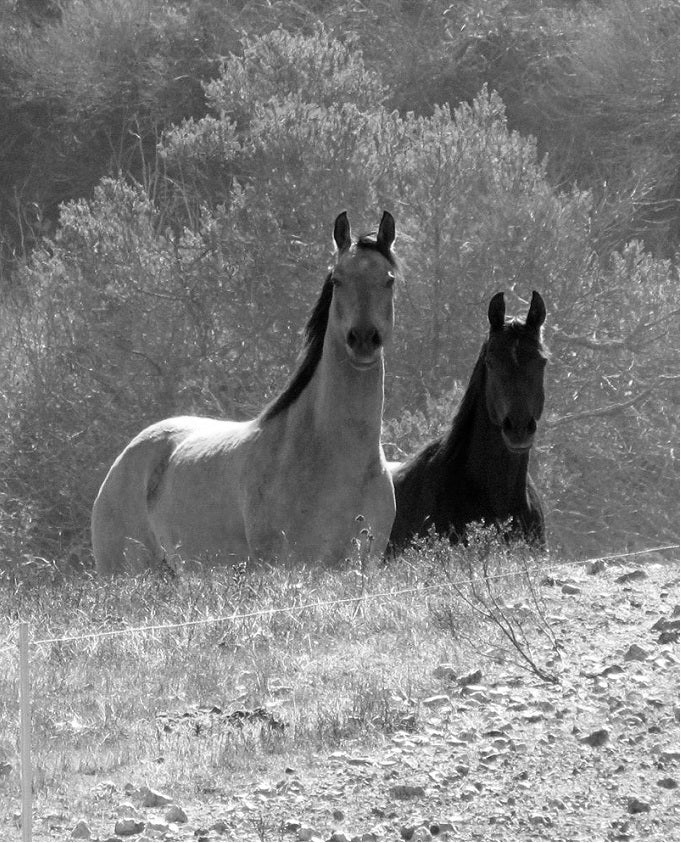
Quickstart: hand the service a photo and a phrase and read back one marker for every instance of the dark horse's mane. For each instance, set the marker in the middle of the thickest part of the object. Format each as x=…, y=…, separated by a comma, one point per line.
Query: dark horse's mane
x=314, y=333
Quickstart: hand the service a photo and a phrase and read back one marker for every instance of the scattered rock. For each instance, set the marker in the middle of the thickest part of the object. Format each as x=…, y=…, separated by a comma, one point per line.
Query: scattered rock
x=81, y=831
x=421, y=833
x=339, y=837
x=407, y=791
x=176, y=814
x=127, y=826
x=153, y=798
x=127, y=809
x=338, y=815
x=437, y=701
x=445, y=672
x=104, y=790
x=221, y=827
x=597, y=738
x=668, y=783
x=472, y=678
x=637, y=806
x=292, y=826
x=571, y=589
x=307, y=832
x=631, y=576
x=663, y=624
x=157, y=827
x=636, y=653
x=668, y=637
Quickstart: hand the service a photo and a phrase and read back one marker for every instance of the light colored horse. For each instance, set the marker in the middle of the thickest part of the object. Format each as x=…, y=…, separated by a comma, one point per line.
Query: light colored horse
x=292, y=480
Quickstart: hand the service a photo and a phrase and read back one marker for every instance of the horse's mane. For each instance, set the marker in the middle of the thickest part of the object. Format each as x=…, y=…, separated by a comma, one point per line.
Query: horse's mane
x=453, y=445
x=314, y=333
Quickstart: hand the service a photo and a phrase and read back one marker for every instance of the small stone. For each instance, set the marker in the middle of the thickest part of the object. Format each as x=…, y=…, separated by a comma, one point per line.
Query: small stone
x=176, y=814
x=668, y=783
x=472, y=678
x=668, y=637
x=421, y=833
x=445, y=672
x=597, y=738
x=570, y=589
x=637, y=806
x=291, y=826
x=153, y=798
x=81, y=831
x=307, y=832
x=437, y=701
x=557, y=803
x=338, y=815
x=407, y=791
x=636, y=653
x=265, y=789
x=220, y=827
x=157, y=828
x=630, y=576
x=339, y=837
x=128, y=826
x=594, y=566
x=127, y=809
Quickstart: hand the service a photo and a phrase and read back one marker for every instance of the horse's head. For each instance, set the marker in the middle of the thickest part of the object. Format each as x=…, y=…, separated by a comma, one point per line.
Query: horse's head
x=361, y=315
x=515, y=361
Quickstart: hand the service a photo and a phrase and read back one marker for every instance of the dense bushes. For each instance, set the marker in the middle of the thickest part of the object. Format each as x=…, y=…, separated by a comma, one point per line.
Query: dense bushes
x=186, y=291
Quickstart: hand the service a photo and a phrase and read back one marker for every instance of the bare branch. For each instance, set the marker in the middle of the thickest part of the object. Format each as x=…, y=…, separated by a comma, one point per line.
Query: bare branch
x=631, y=341
x=610, y=409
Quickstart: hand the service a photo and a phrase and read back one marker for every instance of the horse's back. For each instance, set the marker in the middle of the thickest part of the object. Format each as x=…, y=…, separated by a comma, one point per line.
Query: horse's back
x=125, y=526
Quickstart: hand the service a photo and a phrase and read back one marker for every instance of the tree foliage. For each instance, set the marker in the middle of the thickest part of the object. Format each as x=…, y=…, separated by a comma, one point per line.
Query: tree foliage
x=185, y=289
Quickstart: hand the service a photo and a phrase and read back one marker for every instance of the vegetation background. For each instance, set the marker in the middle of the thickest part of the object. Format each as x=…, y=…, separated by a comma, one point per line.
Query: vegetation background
x=170, y=172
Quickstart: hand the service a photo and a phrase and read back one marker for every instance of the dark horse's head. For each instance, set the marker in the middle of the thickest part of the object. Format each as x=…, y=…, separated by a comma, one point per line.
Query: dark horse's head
x=515, y=361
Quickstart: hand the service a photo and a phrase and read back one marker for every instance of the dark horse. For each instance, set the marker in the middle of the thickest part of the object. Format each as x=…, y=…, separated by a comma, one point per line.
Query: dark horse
x=478, y=471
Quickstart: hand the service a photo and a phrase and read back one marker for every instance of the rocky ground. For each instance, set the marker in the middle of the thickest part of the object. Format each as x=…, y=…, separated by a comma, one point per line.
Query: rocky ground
x=498, y=754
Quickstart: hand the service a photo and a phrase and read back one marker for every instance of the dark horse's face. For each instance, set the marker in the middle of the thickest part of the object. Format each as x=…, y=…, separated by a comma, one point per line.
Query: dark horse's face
x=515, y=363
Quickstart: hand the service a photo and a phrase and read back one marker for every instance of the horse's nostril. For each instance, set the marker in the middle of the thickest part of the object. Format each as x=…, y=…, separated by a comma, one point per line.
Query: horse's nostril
x=532, y=426
x=352, y=338
x=507, y=426
x=375, y=338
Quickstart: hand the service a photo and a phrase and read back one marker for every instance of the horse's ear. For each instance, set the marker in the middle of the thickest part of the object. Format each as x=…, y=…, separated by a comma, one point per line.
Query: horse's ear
x=536, y=315
x=386, y=234
x=497, y=312
x=341, y=232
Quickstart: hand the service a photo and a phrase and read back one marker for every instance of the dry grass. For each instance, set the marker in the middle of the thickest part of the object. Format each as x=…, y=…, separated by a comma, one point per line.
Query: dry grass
x=333, y=672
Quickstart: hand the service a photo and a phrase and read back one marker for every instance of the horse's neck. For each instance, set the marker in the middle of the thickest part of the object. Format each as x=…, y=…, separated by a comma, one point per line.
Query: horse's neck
x=343, y=404
x=501, y=474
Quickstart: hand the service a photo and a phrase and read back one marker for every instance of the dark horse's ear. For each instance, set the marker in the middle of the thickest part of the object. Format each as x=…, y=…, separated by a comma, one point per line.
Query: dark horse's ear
x=341, y=232
x=537, y=312
x=497, y=312
x=386, y=234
